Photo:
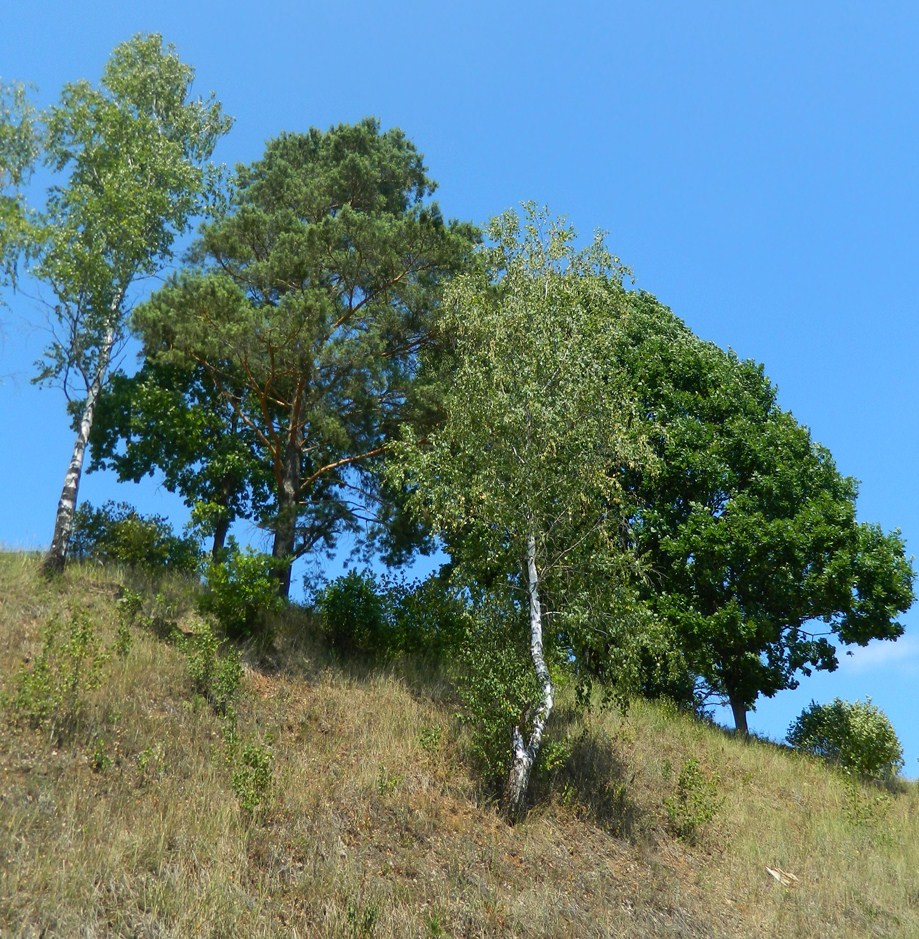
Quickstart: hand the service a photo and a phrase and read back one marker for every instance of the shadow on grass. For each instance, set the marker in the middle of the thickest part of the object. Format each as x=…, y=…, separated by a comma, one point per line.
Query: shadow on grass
x=594, y=779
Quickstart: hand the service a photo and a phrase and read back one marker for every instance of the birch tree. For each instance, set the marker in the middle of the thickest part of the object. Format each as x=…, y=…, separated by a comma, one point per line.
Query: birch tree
x=133, y=153
x=523, y=479
x=18, y=152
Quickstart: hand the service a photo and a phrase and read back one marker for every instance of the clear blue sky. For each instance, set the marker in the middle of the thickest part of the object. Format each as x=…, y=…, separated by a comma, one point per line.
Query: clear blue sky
x=755, y=164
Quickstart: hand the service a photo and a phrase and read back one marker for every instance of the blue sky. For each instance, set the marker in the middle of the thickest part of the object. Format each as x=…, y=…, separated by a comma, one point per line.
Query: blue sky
x=755, y=165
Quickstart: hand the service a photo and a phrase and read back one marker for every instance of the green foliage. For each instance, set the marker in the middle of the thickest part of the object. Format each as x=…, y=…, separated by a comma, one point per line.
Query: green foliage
x=496, y=685
x=123, y=638
x=537, y=426
x=362, y=919
x=362, y=612
x=130, y=605
x=174, y=418
x=356, y=614
x=308, y=301
x=101, y=760
x=427, y=616
x=19, y=144
x=387, y=782
x=695, y=802
x=252, y=777
x=151, y=762
x=527, y=466
x=52, y=694
x=216, y=674
x=431, y=738
x=117, y=533
x=855, y=736
x=242, y=591
x=135, y=152
x=750, y=528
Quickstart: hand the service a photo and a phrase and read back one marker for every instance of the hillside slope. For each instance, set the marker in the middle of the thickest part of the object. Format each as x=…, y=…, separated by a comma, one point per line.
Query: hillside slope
x=335, y=799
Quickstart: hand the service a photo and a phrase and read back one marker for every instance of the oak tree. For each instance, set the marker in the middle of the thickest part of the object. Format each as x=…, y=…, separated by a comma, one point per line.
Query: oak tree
x=748, y=531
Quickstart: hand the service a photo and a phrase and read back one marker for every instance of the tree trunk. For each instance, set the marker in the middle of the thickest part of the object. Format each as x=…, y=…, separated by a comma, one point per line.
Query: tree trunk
x=524, y=754
x=56, y=557
x=221, y=530
x=285, y=532
x=228, y=487
x=739, y=710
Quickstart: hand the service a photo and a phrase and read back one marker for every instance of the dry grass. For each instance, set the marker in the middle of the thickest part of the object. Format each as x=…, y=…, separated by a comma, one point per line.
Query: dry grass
x=377, y=828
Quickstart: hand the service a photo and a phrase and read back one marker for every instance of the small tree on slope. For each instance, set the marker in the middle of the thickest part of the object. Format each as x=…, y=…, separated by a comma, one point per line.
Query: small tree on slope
x=523, y=477
x=135, y=151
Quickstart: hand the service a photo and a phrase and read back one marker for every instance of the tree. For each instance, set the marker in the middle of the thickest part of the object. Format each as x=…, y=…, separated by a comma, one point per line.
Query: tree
x=748, y=530
x=856, y=736
x=523, y=478
x=18, y=152
x=134, y=152
x=311, y=298
x=171, y=416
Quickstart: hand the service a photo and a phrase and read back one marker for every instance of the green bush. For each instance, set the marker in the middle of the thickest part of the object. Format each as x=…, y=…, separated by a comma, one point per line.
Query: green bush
x=363, y=613
x=215, y=676
x=496, y=685
x=427, y=617
x=53, y=693
x=242, y=591
x=356, y=614
x=855, y=736
x=252, y=777
x=695, y=802
x=116, y=532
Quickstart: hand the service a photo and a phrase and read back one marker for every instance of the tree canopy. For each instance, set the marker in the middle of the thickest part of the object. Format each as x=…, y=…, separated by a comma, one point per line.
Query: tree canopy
x=310, y=298
x=172, y=417
x=747, y=530
x=133, y=153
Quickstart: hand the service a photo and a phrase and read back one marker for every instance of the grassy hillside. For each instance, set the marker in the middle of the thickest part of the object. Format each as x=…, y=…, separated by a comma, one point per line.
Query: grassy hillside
x=336, y=799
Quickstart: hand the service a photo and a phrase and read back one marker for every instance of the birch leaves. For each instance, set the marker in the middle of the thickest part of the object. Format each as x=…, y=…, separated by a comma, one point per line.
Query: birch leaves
x=135, y=152
x=523, y=478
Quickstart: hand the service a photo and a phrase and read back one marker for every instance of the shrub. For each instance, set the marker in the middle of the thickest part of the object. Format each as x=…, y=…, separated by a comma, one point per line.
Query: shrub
x=496, y=684
x=855, y=736
x=241, y=591
x=695, y=802
x=427, y=617
x=215, y=676
x=116, y=532
x=356, y=614
x=252, y=777
x=363, y=613
x=52, y=694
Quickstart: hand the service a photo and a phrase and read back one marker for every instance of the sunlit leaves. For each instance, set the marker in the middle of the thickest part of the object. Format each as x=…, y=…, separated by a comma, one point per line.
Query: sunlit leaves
x=132, y=156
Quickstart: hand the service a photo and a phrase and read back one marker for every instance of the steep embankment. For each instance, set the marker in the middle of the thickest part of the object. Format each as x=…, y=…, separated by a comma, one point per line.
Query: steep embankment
x=335, y=800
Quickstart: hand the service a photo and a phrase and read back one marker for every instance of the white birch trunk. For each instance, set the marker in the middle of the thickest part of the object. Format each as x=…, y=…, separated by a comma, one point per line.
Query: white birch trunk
x=525, y=752
x=63, y=522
